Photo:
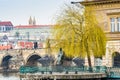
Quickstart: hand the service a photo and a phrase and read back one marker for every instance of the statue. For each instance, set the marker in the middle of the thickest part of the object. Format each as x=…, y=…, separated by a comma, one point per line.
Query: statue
x=59, y=57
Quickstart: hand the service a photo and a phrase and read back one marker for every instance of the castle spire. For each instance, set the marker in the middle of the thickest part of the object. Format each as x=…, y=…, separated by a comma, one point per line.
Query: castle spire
x=34, y=21
x=30, y=21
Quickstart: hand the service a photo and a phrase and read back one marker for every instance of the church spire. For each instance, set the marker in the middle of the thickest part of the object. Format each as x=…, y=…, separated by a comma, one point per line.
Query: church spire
x=34, y=21
x=30, y=21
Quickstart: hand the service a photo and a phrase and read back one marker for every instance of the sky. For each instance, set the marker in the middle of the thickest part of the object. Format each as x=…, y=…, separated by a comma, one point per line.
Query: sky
x=19, y=11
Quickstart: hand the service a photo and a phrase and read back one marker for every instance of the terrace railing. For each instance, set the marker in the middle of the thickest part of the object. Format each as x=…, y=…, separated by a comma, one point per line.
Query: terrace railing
x=28, y=69
x=111, y=72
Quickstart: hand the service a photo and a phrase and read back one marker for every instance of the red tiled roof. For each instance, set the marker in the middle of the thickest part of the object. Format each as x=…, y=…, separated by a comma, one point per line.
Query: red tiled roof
x=6, y=23
x=40, y=45
x=26, y=44
x=32, y=26
x=5, y=47
x=29, y=45
x=22, y=44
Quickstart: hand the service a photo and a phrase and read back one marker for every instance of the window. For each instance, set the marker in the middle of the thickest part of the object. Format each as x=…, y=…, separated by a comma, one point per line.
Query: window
x=27, y=35
x=0, y=29
x=118, y=24
x=112, y=22
x=3, y=28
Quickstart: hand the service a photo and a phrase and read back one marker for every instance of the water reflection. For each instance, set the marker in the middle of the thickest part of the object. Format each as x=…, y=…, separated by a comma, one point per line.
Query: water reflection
x=9, y=76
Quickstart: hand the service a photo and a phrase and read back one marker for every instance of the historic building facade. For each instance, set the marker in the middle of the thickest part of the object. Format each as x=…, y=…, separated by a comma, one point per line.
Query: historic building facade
x=32, y=31
x=109, y=12
x=26, y=35
x=5, y=26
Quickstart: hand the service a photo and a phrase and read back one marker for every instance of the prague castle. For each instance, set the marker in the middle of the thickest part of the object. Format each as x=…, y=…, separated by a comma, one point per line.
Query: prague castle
x=109, y=11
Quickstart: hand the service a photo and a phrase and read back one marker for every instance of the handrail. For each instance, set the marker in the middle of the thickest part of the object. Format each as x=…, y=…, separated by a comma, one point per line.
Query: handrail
x=111, y=72
x=28, y=69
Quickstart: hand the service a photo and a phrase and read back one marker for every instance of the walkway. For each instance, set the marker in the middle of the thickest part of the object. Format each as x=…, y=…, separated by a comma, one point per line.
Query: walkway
x=63, y=75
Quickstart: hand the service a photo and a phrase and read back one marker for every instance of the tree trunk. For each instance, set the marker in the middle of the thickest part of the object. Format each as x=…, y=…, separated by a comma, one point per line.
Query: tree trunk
x=88, y=57
x=89, y=62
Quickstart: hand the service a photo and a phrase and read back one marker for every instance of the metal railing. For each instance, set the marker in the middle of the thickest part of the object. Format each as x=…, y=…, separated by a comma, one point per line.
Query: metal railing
x=28, y=69
x=111, y=72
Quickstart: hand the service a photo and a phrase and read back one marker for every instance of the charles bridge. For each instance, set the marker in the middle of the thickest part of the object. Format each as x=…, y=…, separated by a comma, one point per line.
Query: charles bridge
x=14, y=58
x=21, y=59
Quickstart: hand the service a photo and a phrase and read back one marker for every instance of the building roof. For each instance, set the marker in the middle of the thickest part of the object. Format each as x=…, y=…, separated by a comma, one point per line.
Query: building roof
x=6, y=23
x=5, y=47
x=99, y=2
x=32, y=26
x=30, y=45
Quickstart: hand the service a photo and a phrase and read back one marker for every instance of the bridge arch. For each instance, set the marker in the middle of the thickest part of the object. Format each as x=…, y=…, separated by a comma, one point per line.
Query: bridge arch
x=5, y=61
x=28, y=53
x=32, y=59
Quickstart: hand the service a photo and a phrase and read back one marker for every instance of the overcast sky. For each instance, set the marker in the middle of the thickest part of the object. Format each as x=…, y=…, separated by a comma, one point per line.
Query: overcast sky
x=19, y=11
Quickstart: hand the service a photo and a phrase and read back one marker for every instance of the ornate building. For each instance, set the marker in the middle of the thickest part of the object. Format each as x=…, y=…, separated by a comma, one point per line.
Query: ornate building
x=25, y=34
x=109, y=12
x=5, y=26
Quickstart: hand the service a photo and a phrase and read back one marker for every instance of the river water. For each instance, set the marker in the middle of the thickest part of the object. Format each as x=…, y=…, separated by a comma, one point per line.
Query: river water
x=9, y=76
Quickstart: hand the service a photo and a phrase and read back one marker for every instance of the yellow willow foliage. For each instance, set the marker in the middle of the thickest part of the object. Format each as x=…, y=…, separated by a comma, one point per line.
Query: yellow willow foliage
x=96, y=37
x=78, y=34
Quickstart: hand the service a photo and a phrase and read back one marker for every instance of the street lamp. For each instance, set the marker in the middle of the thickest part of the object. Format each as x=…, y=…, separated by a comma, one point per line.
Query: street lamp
x=74, y=2
x=77, y=4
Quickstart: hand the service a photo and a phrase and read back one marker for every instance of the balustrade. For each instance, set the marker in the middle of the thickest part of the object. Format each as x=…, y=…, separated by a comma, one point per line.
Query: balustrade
x=111, y=72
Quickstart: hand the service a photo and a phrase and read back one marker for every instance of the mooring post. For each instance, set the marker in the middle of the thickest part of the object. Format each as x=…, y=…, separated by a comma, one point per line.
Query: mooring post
x=55, y=78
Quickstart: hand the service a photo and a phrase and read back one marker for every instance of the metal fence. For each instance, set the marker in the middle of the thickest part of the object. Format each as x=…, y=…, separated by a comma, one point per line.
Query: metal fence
x=111, y=72
x=28, y=69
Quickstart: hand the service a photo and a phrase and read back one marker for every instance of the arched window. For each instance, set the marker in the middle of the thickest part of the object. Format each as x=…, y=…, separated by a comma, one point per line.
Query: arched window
x=112, y=23
x=116, y=59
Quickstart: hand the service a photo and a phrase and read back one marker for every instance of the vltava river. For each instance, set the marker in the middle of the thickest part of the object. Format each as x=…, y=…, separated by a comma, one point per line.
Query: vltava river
x=9, y=76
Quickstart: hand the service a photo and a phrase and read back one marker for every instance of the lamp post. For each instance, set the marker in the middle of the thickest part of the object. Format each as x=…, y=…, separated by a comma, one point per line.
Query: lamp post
x=74, y=2
x=78, y=4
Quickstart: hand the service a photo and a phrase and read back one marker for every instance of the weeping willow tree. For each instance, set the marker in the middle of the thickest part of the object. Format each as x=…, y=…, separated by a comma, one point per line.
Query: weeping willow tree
x=79, y=34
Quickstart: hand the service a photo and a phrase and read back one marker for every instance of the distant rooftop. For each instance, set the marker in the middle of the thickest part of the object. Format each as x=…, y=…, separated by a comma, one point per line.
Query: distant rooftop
x=6, y=23
x=32, y=26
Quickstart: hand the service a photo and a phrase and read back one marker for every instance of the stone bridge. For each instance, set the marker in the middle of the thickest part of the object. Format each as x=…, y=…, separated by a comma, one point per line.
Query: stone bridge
x=21, y=56
x=30, y=56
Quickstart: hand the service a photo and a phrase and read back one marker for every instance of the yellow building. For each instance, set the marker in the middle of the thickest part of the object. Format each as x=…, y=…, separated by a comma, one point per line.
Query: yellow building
x=109, y=10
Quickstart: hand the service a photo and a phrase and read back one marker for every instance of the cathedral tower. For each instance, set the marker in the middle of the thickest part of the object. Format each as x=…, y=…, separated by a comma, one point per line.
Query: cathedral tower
x=32, y=21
